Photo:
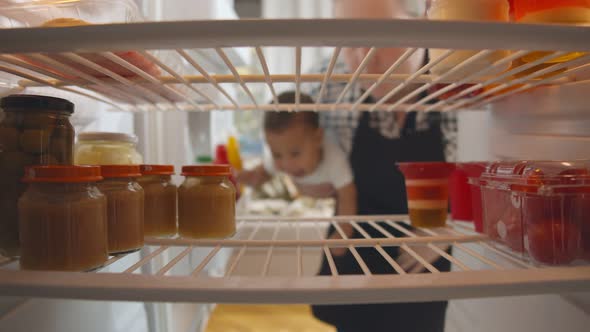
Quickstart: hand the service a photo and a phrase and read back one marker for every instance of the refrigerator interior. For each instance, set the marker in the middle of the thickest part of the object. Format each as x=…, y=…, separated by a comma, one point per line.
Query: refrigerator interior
x=266, y=256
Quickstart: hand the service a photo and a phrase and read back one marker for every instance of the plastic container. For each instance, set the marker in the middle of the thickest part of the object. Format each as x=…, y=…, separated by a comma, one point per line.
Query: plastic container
x=539, y=208
x=427, y=188
x=35, y=13
x=206, y=202
x=125, y=203
x=460, y=192
x=469, y=10
x=473, y=172
x=102, y=148
x=76, y=13
x=34, y=130
x=63, y=219
x=160, y=200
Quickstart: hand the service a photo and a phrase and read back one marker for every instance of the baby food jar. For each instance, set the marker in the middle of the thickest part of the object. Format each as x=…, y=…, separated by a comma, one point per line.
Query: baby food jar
x=468, y=10
x=125, y=201
x=63, y=221
x=552, y=11
x=206, y=202
x=34, y=130
x=160, y=200
x=102, y=148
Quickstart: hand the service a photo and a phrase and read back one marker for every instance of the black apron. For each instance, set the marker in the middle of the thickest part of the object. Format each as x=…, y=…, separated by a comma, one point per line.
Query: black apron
x=381, y=190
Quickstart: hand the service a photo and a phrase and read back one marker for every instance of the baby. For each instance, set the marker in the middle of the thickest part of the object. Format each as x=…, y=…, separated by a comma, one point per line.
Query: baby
x=298, y=148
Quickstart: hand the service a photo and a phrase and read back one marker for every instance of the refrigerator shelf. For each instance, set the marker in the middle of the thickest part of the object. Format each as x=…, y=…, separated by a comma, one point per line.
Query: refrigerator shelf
x=276, y=261
x=472, y=81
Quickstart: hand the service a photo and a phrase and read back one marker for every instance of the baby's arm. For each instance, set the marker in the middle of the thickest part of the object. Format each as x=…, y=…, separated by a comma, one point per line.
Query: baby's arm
x=254, y=177
x=346, y=200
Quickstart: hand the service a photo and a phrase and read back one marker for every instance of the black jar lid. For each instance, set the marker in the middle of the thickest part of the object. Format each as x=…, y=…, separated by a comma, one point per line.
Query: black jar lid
x=37, y=103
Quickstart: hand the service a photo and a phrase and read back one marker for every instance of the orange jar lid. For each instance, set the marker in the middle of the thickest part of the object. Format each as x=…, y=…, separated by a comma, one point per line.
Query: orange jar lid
x=61, y=173
x=206, y=170
x=157, y=169
x=120, y=171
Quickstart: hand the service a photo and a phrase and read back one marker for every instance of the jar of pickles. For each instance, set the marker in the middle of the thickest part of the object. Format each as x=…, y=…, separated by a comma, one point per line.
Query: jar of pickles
x=125, y=201
x=206, y=202
x=103, y=148
x=160, y=200
x=63, y=221
x=34, y=130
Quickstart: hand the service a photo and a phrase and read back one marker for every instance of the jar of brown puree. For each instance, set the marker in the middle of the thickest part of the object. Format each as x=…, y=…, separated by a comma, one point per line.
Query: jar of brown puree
x=206, y=202
x=160, y=200
x=34, y=130
x=125, y=202
x=63, y=221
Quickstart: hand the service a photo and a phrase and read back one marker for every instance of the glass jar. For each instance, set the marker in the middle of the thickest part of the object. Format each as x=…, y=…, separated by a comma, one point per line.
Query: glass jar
x=160, y=200
x=102, y=148
x=63, y=221
x=552, y=11
x=206, y=202
x=34, y=130
x=125, y=202
x=468, y=10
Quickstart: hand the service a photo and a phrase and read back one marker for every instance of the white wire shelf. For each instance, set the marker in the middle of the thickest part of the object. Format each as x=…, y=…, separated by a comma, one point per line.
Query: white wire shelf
x=59, y=58
x=277, y=260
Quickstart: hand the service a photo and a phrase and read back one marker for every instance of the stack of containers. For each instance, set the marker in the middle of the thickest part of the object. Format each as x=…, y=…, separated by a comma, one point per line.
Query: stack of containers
x=539, y=209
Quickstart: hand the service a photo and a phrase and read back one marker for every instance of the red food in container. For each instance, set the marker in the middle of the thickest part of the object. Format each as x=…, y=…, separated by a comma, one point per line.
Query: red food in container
x=541, y=208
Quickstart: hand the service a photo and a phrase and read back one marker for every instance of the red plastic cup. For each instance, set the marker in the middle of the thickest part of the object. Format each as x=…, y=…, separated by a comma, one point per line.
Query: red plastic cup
x=460, y=195
x=427, y=187
x=466, y=198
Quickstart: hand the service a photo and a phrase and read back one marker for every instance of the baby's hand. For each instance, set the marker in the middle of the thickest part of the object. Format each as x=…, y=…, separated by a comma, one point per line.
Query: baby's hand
x=253, y=178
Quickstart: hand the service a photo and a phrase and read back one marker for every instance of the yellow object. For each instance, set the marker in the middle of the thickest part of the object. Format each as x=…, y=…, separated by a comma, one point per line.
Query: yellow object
x=101, y=148
x=233, y=153
x=265, y=318
x=565, y=15
x=64, y=22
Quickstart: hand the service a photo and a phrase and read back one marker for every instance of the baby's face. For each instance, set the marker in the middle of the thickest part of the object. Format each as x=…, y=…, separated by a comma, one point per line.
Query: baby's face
x=296, y=150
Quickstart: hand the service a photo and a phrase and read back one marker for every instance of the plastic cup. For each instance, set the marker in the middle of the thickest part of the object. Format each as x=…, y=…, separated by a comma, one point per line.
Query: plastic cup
x=427, y=188
x=466, y=198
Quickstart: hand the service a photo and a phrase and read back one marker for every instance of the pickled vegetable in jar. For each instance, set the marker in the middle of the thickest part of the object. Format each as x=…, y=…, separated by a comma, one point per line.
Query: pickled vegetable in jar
x=160, y=200
x=552, y=11
x=63, y=221
x=103, y=148
x=34, y=130
x=206, y=202
x=125, y=202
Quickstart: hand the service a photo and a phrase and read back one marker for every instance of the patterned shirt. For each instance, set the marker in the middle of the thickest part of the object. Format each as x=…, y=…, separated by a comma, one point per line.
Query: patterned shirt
x=340, y=125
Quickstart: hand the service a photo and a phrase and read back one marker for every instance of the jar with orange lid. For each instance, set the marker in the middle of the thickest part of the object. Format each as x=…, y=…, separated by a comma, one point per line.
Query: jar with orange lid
x=125, y=202
x=575, y=12
x=63, y=219
x=160, y=200
x=206, y=202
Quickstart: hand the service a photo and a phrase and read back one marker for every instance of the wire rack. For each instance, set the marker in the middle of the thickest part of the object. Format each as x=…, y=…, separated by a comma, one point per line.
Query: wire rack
x=277, y=261
x=60, y=60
